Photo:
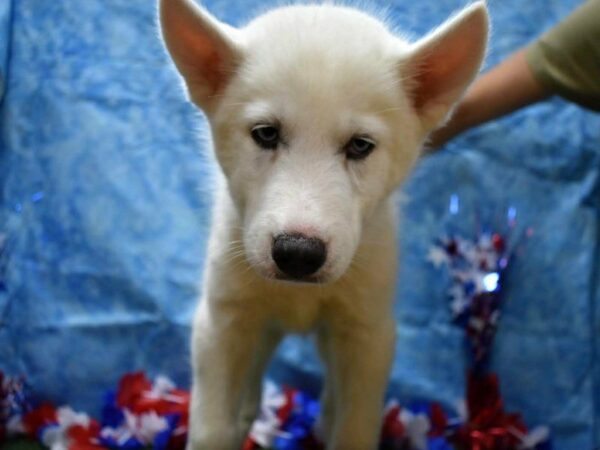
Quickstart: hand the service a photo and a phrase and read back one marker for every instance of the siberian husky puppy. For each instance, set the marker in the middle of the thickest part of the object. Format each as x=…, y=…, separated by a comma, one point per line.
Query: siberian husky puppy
x=317, y=113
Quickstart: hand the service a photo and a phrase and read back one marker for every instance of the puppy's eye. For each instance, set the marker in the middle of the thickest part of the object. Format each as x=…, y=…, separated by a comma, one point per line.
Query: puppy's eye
x=266, y=136
x=359, y=147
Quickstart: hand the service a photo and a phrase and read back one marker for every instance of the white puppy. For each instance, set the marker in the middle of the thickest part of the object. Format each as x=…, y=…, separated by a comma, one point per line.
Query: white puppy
x=317, y=114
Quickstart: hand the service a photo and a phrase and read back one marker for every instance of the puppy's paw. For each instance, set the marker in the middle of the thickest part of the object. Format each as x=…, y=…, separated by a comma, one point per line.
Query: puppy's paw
x=214, y=440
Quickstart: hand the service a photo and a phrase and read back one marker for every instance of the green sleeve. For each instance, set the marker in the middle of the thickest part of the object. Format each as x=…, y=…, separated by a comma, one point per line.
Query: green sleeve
x=566, y=60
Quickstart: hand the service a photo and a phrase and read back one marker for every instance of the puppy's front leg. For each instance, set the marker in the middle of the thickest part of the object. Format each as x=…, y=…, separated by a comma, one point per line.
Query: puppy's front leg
x=253, y=391
x=224, y=341
x=361, y=361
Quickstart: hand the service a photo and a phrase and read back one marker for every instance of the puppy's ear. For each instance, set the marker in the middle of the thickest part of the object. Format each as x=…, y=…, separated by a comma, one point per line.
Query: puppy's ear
x=204, y=50
x=442, y=64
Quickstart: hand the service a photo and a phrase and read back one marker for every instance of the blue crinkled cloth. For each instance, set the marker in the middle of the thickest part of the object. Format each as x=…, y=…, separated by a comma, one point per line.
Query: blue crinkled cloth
x=104, y=212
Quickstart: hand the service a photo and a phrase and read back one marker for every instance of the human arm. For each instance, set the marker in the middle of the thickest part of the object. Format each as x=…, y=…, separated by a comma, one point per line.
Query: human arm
x=507, y=87
x=565, y=61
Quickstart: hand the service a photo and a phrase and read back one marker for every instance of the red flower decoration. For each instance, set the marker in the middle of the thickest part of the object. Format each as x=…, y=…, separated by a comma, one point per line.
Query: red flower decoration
x=84, y=438
x=177, y=402
x=249, y=444
x=286, y=410
x=40, y=417
x=178, y=440
x=131, y=388
x=498, y=243
x=438, y=419
x=392, y=427
x=135, y=394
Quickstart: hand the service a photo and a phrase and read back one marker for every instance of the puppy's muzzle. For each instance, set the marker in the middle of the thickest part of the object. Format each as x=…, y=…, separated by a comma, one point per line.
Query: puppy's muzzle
x=298, y=256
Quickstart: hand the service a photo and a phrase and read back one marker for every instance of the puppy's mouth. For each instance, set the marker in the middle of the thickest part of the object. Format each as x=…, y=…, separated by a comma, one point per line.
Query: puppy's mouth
x=313, y=279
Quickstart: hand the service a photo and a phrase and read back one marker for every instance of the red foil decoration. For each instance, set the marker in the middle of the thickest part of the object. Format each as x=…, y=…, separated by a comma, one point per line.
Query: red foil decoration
x=489, y=427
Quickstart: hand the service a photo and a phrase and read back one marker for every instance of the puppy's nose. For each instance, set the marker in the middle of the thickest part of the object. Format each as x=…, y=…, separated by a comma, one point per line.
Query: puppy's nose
x=298, y=256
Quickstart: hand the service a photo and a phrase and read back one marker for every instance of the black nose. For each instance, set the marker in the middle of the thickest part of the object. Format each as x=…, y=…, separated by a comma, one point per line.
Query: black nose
x=298, y=256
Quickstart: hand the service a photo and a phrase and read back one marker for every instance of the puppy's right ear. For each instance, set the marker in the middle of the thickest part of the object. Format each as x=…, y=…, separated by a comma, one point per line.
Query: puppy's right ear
x=445, y=62
x=204, y=50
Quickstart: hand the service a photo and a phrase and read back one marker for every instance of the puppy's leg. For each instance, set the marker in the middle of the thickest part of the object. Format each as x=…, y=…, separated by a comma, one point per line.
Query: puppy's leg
x=362, y=360
x=253, y=391
x=223, y=345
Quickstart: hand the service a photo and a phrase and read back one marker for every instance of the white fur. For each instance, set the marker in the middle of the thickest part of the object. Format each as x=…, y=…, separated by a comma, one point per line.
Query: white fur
x=324, y=73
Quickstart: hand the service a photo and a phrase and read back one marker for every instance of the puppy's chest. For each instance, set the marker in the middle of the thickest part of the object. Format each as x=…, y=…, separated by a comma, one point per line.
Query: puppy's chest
x=295, y=311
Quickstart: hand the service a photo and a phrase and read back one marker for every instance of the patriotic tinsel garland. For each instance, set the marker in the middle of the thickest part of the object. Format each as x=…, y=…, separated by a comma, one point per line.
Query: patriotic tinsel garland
x=143, y=414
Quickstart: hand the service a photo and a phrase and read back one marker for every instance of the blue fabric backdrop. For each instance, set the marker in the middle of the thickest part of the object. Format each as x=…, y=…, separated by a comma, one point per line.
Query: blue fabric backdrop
x=105, y=199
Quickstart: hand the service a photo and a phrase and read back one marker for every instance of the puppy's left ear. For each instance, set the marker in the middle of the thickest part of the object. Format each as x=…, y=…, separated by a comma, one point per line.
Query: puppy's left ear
x=205, y=51
x=442, y=65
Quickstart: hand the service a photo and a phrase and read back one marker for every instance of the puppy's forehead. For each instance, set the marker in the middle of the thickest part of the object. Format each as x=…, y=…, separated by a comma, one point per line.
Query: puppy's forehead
x=319, y=32
x=337, y=20
x=319, y=52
